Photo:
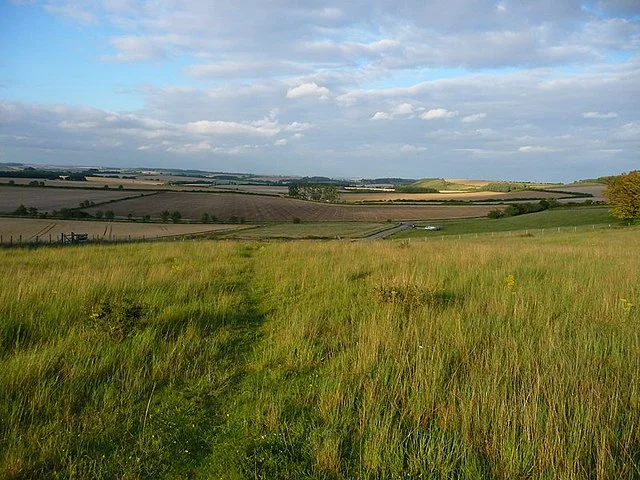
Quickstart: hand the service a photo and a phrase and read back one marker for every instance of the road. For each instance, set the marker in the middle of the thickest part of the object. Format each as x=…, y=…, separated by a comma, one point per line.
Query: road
x=389, y=231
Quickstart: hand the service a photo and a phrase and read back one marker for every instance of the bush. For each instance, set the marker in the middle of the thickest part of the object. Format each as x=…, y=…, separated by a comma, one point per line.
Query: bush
x=495, y=213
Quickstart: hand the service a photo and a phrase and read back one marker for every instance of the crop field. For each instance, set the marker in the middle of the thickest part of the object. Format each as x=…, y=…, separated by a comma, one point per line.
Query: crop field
x=264, y=189
x=596, y=190
x=309, y=230
x=464, y=196
x=49, y=199
x=26, y=229
x=456, y=359
x=256, y=208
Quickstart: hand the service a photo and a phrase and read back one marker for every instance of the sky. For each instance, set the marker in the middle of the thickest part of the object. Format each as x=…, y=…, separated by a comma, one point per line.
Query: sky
x=538, y=90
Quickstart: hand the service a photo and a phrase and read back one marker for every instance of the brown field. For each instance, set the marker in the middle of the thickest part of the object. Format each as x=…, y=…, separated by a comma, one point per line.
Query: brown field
x=594, y=189
x=265, y=189
x=49, y=199
x=497, y=196
x=255, y=208
x=112, y=182
x=51, y=228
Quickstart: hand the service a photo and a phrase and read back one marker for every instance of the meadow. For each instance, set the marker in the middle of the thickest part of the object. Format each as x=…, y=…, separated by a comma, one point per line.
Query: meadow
x=538, y=223
x=456, y=359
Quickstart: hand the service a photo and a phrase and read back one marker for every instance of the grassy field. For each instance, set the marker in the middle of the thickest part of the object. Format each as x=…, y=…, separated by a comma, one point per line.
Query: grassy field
x=257, y=208
x=533, y=222
x=450, y=360
x=309, y=230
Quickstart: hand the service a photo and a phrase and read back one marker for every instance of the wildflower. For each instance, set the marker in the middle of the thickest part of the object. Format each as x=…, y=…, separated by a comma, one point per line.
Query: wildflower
x=510, y=280
x=627, y=306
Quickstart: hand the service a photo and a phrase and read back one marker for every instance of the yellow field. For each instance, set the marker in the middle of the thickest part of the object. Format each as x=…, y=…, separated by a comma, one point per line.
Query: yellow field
x=51, y=228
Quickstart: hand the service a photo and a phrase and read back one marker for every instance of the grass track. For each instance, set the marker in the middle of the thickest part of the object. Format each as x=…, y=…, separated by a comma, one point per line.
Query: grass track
x=461, y=359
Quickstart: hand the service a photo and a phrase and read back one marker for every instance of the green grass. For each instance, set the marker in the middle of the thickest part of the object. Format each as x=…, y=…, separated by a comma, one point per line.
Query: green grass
x=319, y=230
x=456, y=359
x=547, y=219
x=441, y=184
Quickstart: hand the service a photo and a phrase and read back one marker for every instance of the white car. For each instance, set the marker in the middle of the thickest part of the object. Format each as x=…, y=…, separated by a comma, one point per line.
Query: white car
x=432, y=227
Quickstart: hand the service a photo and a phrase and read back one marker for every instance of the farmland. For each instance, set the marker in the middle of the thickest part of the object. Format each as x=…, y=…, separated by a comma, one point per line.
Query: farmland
x=533, y=223
x=30, y=230
x=461, y=196
x=49, y=199
x=256, y=208
x=307, y=230
x=456, y=359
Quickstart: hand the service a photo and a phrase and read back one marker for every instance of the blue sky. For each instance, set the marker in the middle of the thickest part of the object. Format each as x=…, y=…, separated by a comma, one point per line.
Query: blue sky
x=545, y=90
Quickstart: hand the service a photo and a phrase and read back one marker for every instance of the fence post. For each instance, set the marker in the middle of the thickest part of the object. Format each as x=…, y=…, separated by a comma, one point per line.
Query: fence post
x=36, y=239
x=20, y=239
x=11, y=241
x=49, y=239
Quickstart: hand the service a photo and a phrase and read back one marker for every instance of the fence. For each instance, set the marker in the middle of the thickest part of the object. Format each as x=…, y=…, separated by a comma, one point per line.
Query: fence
x=81, y=238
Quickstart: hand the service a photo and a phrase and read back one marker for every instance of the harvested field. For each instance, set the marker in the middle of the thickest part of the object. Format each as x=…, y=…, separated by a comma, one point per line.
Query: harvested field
x=464, y=196
x=255, y=208
x=594, y=189
x=264, y=189
x=43, y=228
x=49, y=199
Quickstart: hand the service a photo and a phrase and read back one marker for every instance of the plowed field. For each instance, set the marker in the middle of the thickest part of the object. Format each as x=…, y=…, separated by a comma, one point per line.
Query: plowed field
x=255, y=208
x=49, y=199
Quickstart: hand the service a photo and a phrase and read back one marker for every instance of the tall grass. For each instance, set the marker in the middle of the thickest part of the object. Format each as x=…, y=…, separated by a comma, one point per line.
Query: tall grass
x=452, y=359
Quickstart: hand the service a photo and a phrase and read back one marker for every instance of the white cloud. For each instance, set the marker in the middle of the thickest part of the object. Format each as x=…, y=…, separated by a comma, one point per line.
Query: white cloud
x=262, y=128
x=280, y=142
x=380, y=116
x=308, y=90
x=598, y=115
x=407, y=148
x=402, y=109
x=135, y=49
x=536, y=149
x=474, y=117
x=438, y=113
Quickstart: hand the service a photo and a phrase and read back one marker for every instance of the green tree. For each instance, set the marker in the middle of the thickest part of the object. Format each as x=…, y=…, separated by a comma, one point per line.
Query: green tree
x=164, y=216
x=109, y=215
x=294, y=191
x=204, y=218
x=176, y=217
x=623, y=193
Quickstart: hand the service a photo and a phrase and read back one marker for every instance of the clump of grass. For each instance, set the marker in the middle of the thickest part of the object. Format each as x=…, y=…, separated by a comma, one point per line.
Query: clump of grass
x=118, y=316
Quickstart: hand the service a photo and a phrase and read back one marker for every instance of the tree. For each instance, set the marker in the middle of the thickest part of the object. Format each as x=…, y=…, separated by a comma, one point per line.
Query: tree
x=204, y=218
x=294, y=191
x=109, y=215
x=176, y=216
x=164, y=216
x=623, y=193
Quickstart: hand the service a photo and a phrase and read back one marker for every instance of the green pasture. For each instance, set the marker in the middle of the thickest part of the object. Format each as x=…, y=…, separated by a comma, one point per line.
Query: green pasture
x=457, y=359
x=547, y=219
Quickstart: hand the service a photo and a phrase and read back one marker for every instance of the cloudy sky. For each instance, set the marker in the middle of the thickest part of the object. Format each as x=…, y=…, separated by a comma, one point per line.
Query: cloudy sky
x=513, y=89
